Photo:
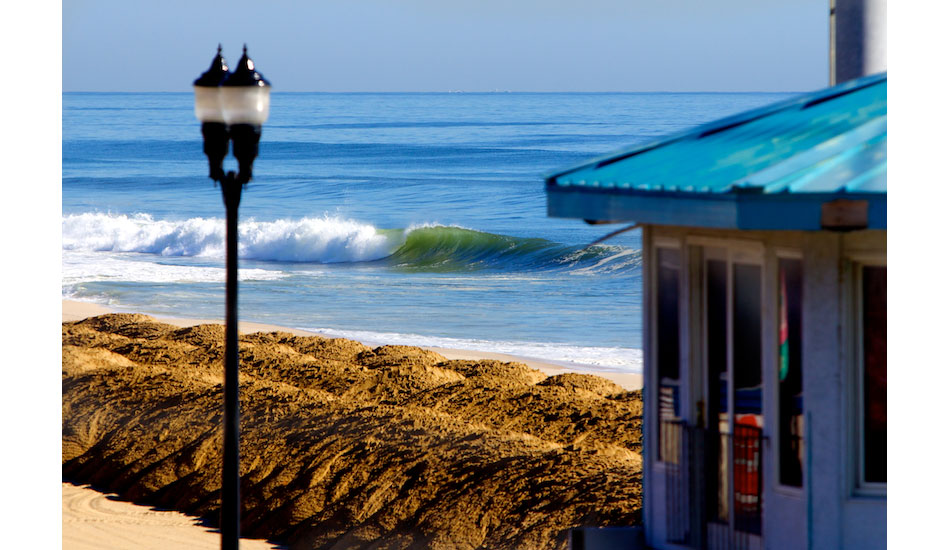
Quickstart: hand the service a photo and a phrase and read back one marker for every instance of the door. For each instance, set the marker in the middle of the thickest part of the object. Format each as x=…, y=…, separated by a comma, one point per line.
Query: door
x=732, y=329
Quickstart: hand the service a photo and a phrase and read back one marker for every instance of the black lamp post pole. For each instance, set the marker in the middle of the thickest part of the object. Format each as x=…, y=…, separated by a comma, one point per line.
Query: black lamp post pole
x=231, y=477
x=245, y=139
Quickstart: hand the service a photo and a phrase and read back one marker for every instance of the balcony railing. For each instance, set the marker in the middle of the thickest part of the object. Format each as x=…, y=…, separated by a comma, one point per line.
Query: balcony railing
x=713, y=486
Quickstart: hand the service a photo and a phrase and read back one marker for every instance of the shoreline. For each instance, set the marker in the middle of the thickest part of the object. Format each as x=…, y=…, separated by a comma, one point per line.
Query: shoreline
x=74, y=310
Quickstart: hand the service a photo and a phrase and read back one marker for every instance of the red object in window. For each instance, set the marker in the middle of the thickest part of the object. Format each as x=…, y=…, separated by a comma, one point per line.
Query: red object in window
x=746, y=462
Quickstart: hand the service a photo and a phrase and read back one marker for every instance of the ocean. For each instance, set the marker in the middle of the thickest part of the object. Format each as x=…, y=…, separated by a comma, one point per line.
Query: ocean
x=401, y=218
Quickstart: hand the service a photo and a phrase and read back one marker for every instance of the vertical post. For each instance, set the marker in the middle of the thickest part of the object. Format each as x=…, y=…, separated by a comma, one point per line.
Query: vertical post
x=858, y=39
x=230, y=482
x=231, y=107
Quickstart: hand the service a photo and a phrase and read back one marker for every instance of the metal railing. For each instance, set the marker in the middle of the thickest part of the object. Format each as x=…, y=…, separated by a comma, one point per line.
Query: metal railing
x=713, y=486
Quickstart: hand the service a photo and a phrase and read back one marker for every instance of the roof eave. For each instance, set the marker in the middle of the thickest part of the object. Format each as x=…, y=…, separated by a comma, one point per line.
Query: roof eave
x=745, y=211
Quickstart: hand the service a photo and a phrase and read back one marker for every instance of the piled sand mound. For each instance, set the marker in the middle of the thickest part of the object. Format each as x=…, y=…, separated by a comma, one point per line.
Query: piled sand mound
x=348, y=447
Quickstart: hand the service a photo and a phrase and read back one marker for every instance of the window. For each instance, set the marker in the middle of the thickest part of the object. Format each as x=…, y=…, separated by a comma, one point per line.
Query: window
x=667, y=345
x=790, y=406
x=872, y=351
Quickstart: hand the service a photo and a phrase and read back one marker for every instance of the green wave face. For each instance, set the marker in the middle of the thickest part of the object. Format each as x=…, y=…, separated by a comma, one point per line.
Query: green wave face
x=454, y=249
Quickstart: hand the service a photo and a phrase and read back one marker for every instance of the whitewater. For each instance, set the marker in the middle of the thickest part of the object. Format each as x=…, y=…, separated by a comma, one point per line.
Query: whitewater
x=323, y=240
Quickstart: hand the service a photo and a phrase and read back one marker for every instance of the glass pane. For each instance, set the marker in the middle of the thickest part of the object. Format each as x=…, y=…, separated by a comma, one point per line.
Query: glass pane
x=717, y=392
x=667, y=323
x=747, y=344
x=716, y=303
x=874, y=321
x=790, y=408
x=747, y=395
x=667, y=353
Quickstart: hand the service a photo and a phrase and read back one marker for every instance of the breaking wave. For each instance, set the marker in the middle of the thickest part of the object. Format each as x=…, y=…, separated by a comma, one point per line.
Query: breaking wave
x=334, y=240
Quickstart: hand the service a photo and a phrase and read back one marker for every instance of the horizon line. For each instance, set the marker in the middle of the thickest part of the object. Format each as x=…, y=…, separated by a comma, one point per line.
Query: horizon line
x=500, y=92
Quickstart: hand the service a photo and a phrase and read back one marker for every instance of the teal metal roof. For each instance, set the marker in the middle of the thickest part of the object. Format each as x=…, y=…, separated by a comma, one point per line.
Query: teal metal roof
x=769, y=168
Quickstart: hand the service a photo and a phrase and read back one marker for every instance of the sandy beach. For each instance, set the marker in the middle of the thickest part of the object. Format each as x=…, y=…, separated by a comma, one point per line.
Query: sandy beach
x=344, y=444
x=93, y=520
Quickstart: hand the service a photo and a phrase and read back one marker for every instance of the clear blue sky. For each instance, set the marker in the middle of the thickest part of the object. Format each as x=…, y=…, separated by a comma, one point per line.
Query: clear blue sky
x=442, y=45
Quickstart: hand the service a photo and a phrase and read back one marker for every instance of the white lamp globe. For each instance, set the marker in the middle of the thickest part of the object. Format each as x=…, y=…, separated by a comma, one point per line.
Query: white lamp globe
x=207, y=90
x=245, y=95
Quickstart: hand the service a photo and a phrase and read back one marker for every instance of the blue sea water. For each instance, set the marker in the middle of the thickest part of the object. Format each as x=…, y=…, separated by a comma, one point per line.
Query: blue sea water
x=391, y=218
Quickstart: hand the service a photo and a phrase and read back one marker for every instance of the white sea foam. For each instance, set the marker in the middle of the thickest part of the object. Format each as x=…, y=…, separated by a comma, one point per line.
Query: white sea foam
x=325, y=240
x=431, y=225
x=611, y=263
x=84, y=267
x=594, y=359
x=141, y=233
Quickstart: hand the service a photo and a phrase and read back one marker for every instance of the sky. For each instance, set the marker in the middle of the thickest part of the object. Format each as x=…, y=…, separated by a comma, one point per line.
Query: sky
x=455, y=45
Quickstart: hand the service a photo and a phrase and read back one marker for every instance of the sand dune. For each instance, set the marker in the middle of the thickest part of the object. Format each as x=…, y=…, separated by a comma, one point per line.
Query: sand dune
x=348, y=446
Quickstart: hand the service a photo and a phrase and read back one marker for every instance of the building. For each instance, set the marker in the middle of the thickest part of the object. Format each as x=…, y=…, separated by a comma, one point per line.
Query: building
x=765, y=319
x=765, y=315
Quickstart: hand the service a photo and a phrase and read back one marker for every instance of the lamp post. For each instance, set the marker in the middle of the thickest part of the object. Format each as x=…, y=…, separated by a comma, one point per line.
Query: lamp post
x=232, y=107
